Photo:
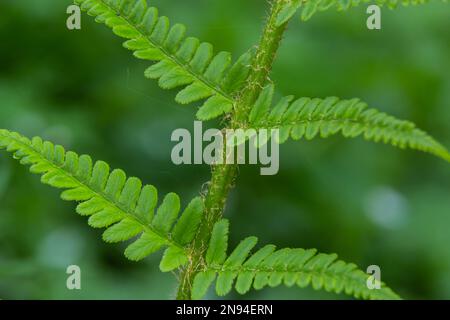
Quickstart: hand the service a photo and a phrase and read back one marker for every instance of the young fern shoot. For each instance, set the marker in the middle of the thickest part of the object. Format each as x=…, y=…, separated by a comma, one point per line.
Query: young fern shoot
x=196, y=241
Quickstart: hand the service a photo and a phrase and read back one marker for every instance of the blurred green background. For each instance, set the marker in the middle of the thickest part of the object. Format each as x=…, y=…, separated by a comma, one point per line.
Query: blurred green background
x=371, y=204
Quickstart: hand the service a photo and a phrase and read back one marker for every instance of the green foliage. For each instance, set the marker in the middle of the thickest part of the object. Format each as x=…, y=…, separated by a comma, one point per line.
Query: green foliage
x=310, y=7
x=271, y=267
x=218, y=245
x=181, y=61
x=129, y=211
x=112, y=201
x=308, y=118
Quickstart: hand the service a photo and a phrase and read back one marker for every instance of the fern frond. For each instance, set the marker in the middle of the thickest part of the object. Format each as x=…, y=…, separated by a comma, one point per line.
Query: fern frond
x=271, y=267
x=111, y=200
x=308, y=118
x=310, y=7
x=181, y=61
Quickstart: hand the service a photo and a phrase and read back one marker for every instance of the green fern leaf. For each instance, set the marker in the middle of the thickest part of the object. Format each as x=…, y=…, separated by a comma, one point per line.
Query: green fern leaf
x=217, y=250
x=180, y=61
x=309, y=118
x=308, y=8
x=112, y=201
x=269, y=267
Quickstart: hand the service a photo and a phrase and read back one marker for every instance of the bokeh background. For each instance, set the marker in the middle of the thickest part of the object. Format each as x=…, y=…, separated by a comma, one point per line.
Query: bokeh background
x=371, y=204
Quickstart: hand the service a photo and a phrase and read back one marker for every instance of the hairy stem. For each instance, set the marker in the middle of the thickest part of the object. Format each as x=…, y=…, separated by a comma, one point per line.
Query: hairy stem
x=220, y=185
x=261, y=66
x=223, y=176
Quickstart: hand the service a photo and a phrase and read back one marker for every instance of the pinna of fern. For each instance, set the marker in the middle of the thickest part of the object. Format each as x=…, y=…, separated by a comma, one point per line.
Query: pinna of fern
x=312, y=117
x=180, y=61
x=308, y=8
x=268, y=267
x=111, y=200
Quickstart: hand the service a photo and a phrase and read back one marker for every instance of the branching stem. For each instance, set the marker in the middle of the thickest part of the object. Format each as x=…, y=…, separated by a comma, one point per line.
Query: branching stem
x=223, y=176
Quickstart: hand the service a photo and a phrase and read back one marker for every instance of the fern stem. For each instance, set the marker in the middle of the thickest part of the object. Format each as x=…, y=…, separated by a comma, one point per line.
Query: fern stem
x=219, y=187
x=223, y=175
x=261, y=66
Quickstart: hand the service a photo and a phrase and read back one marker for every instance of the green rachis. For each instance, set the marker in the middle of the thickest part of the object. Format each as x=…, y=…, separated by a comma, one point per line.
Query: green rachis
x=194, y=236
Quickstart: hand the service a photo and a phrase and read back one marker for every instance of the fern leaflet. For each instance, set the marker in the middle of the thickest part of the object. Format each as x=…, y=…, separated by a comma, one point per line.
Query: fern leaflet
x=112, y=201
x=271, y=267
x=310, y=7
x=309, y=118
x=181, y=61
